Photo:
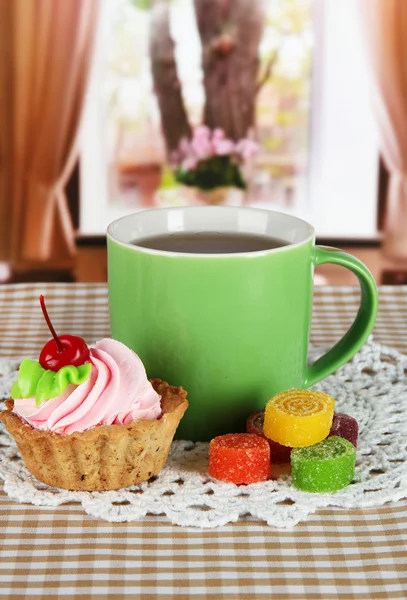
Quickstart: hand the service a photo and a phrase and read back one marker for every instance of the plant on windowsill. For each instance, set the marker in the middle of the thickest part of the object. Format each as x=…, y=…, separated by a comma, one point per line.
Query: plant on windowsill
x=209, y=168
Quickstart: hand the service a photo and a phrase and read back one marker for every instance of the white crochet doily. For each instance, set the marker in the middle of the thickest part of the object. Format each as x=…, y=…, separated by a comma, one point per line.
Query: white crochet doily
x=372, y=388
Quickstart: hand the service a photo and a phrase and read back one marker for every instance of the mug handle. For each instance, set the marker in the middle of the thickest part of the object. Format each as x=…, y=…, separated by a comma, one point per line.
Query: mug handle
x=359, y=331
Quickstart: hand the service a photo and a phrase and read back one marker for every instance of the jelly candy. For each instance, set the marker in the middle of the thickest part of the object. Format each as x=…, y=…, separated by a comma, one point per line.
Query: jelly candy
x=325, y=467
x=278, y=453
x=345, y=427
x=239, y=458
x=298, y=418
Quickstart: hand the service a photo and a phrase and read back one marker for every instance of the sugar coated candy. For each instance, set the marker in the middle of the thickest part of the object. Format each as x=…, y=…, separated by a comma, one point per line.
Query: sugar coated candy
x=325, y=467
x=239, y=458
x=346, y=427
x=278, y=454
x=298, y=418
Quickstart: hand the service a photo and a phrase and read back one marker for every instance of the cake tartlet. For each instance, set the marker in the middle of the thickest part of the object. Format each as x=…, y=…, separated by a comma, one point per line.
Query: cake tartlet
x=96, y=423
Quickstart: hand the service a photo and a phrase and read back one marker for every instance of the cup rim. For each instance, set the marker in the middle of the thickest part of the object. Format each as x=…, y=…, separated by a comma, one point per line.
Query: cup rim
x=153, y=252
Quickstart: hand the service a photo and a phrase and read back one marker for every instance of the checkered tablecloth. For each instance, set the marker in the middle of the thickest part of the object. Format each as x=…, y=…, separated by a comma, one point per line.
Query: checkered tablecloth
x=61, y=551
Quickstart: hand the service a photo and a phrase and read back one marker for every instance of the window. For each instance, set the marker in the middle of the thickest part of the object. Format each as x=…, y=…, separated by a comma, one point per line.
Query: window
x=318, y=154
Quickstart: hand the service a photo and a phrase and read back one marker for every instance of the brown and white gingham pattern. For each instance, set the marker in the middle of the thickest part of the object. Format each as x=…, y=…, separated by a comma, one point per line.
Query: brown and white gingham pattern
x=63, y=552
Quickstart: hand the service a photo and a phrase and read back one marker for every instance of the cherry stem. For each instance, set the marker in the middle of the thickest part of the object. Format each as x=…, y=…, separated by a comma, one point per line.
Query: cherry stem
x=59, y=344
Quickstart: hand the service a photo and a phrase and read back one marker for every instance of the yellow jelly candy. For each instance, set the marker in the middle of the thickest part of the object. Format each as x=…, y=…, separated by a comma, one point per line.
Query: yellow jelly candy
x=298, y=418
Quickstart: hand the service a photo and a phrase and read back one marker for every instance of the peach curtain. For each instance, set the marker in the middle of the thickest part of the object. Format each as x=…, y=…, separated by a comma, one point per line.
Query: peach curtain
x=385, y=24
x=45, y=51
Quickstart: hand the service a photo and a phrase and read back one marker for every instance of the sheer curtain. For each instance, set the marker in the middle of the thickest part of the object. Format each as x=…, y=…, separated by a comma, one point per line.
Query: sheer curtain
x=45, y=51
x=385, y=25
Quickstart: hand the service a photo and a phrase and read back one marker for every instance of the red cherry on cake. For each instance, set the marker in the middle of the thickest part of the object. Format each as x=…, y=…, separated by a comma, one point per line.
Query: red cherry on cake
x=62, y=350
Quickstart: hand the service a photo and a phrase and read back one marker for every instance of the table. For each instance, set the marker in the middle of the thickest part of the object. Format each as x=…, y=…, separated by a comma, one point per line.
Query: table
x=61, y=551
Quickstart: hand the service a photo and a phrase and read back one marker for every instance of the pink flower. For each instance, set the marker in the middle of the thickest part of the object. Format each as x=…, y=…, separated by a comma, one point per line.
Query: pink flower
x=223, y=147
x=206, y=144
x=189, y=164
x=202, y=132
x=201, y=146
x=184, y=148
x=246, y=148
x=218, y=134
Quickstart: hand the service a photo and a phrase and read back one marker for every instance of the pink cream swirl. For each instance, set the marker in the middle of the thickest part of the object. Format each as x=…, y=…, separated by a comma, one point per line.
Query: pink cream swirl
x=117, y=392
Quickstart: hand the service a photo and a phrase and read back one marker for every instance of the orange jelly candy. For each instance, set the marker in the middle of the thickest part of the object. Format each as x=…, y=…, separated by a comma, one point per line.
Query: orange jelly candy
x=239, y=458
x=299, y=418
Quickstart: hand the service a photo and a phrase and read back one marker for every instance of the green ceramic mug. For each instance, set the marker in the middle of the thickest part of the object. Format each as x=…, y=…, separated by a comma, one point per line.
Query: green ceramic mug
x=232, y=329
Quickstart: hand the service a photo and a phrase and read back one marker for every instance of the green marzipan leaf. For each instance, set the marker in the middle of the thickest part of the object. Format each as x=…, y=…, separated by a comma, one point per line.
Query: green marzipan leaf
x=29, y=374
x=53, y=384
x=44, y=384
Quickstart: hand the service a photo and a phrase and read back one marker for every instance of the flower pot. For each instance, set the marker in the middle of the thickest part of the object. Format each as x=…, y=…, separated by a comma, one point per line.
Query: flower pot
x=221, y=196
x=184, y=195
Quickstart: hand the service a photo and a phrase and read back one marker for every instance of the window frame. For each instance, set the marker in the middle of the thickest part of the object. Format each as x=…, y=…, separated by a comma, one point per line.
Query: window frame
x=346, y=173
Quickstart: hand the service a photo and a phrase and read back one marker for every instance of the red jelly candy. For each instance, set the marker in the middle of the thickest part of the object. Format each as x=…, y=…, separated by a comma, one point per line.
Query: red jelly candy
x=239, y=458
x=278, y=454
x=345, y=426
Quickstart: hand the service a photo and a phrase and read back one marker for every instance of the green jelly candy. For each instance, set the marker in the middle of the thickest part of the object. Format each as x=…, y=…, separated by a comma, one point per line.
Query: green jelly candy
x=325, y=467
